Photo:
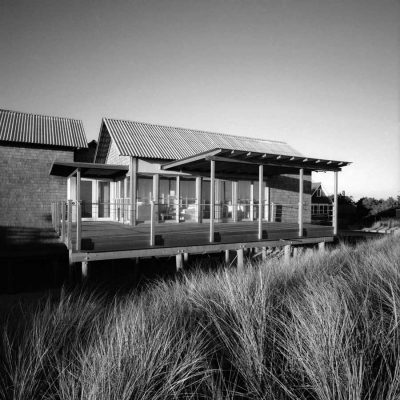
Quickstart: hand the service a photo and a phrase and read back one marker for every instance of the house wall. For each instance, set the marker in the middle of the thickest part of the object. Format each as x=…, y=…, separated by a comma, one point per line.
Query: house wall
x=284, y=193
x=113, y=156
x=26, y=188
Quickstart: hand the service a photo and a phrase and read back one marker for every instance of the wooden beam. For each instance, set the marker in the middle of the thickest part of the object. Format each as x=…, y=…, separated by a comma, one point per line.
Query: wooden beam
x=201, y=249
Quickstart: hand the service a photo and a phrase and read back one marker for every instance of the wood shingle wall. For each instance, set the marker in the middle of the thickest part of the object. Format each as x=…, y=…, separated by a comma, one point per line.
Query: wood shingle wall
x=26, y=188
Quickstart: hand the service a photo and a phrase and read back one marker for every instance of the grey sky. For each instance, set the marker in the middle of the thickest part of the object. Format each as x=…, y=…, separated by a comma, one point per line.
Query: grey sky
x=322, y=75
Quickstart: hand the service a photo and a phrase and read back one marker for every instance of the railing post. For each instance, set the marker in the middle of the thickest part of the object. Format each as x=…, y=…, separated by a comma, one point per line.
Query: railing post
x=69, y=226
x=63, y=221
x=78, y=226
x=260, y=199
x=152, y=223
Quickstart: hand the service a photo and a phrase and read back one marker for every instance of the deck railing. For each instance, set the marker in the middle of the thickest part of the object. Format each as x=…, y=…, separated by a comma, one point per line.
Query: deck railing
x=68, y=215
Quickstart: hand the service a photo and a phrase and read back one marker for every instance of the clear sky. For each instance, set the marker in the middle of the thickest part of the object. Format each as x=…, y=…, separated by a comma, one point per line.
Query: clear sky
x=322, y=75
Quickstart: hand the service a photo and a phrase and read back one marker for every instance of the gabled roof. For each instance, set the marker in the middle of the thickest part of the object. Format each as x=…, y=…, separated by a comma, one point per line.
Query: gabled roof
x=315, y=186
x=41, y=130
x=146, y=140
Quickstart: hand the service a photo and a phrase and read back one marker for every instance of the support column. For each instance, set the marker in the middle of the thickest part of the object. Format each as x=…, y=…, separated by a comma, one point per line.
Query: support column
x=321, y=247
x=63, y=225
x=198, y=199
x=234, y=201
x=287, y=250
x=260, y=199
x=85, y=270
x=251, y=201
x=240, y=258
x=156, y=185
x=301, y=192
x=227, y=257
x=78, y=210
x=264, y=253
x=133, y=189
x=212, y=199
x=124, y=200
x=179, y=262
x=178, y=195
x=335, y=204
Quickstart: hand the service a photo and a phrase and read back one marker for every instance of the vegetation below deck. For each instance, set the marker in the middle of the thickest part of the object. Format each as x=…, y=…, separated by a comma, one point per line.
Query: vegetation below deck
x=324, y=327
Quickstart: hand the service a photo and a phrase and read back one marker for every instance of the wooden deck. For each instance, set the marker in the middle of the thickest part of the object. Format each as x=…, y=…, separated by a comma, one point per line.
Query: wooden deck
x=99, y=238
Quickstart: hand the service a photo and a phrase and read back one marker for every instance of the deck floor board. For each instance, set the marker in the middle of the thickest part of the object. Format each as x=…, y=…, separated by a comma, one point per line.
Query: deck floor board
x=106, y=236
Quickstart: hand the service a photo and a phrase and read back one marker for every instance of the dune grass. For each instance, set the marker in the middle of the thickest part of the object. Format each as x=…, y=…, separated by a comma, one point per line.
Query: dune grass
x=324, y=327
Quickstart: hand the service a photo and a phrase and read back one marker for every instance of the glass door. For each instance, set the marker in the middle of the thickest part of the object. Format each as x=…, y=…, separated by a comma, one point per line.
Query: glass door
x=104, y=199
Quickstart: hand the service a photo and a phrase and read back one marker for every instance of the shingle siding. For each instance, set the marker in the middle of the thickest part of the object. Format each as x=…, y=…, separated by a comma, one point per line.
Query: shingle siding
x=113, y=156
x=26, y=188
x=284, y=193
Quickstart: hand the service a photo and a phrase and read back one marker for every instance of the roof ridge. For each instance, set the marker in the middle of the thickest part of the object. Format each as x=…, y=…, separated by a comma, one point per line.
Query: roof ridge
x=39, y=115
x=196, y=130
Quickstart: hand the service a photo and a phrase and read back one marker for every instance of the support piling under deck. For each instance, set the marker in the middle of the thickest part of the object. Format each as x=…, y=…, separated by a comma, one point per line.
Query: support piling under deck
x=107, y=240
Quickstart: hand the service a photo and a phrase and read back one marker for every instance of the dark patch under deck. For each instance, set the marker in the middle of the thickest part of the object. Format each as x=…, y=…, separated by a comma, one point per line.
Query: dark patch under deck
x=107, y=236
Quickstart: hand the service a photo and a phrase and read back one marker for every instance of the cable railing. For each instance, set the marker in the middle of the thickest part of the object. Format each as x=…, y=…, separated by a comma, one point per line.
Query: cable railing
x=67, y=216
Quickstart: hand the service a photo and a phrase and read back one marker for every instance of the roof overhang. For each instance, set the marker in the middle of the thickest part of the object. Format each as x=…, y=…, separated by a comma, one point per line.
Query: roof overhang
x=88, y=170
x=236, y=162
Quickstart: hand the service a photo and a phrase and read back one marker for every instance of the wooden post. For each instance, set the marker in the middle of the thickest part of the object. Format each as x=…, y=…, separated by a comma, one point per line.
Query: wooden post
x=272, y=212
x=152, y=224
x=179, y=262
x=251, y=201
x=301, y=190
x=227, y=257
x=198, y=199
x=69, y=226
x=264, y=253
x=240, y=258
x=260, y=199
x=78, y=210
x=186, y=257
x=133, y=189
x=178, y=195
x=156, y=186
x=295, y=251
x=63, y=221
x=335, y=204
x=212, y=199
x=288, y=250
x=85, y=270
x=321, y=247
x=234, y=200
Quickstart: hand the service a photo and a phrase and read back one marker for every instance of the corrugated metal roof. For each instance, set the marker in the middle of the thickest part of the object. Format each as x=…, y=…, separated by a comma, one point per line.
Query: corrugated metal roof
x=40, y=129
x=165, y=142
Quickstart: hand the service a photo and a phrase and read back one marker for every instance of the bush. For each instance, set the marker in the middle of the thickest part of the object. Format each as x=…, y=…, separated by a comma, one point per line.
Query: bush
x=323, y=327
